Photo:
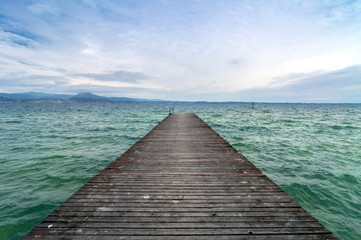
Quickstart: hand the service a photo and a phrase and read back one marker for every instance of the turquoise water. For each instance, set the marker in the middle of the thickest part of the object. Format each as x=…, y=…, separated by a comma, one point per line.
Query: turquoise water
x=49, y=150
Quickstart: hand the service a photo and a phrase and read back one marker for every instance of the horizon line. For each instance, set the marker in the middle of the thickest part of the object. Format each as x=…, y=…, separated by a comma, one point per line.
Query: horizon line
x=174, y=101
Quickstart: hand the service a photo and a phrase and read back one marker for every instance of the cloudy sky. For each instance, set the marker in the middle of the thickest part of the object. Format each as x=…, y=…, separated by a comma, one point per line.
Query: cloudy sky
x=225, y=50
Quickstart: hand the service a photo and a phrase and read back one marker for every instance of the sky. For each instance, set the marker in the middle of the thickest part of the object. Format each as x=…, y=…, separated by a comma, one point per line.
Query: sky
x=224, y=50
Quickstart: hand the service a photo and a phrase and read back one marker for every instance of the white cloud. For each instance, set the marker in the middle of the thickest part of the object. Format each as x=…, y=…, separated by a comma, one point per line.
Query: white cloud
x=40, y=8
x=201, y=48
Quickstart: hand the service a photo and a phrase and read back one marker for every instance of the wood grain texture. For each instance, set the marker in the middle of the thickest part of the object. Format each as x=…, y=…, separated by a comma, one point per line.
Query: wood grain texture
x=181, y=181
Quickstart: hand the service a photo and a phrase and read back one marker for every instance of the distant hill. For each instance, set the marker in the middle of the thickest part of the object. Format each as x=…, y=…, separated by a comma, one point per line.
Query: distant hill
x=125, y=99
x=41, y=95
x=80, y=97
x=33, y=96
x=16, y=96
x=88, y=97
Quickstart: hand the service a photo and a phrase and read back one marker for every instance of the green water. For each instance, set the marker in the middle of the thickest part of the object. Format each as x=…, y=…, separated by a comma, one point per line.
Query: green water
x=49, y=150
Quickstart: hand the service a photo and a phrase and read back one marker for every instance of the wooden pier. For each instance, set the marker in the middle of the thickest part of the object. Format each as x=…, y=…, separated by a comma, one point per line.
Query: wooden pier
x=181, y=181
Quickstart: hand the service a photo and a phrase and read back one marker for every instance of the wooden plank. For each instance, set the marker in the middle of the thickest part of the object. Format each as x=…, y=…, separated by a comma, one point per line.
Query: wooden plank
x=290, y=215
x=209, y=219
x=191, y=237
x=103, y=230
x=181, y=181
x=182, y=225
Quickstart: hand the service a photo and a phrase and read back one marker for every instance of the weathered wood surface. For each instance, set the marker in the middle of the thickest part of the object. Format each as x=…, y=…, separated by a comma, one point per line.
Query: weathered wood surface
x=181, y=181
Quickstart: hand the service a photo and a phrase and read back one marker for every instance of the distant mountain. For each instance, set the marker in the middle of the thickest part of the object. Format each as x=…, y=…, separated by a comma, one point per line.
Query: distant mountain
x=16, y=96
x=5, y=99
x=41, y=95
x=33, y=96
x=88, y=97
x=125, y=99
x=80, y=97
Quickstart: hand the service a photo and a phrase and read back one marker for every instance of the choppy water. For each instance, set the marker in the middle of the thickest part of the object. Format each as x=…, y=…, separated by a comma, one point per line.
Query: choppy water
x=49, y=150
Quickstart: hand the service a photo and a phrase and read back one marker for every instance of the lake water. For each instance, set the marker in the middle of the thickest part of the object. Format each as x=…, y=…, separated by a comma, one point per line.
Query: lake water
x=49, y=150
